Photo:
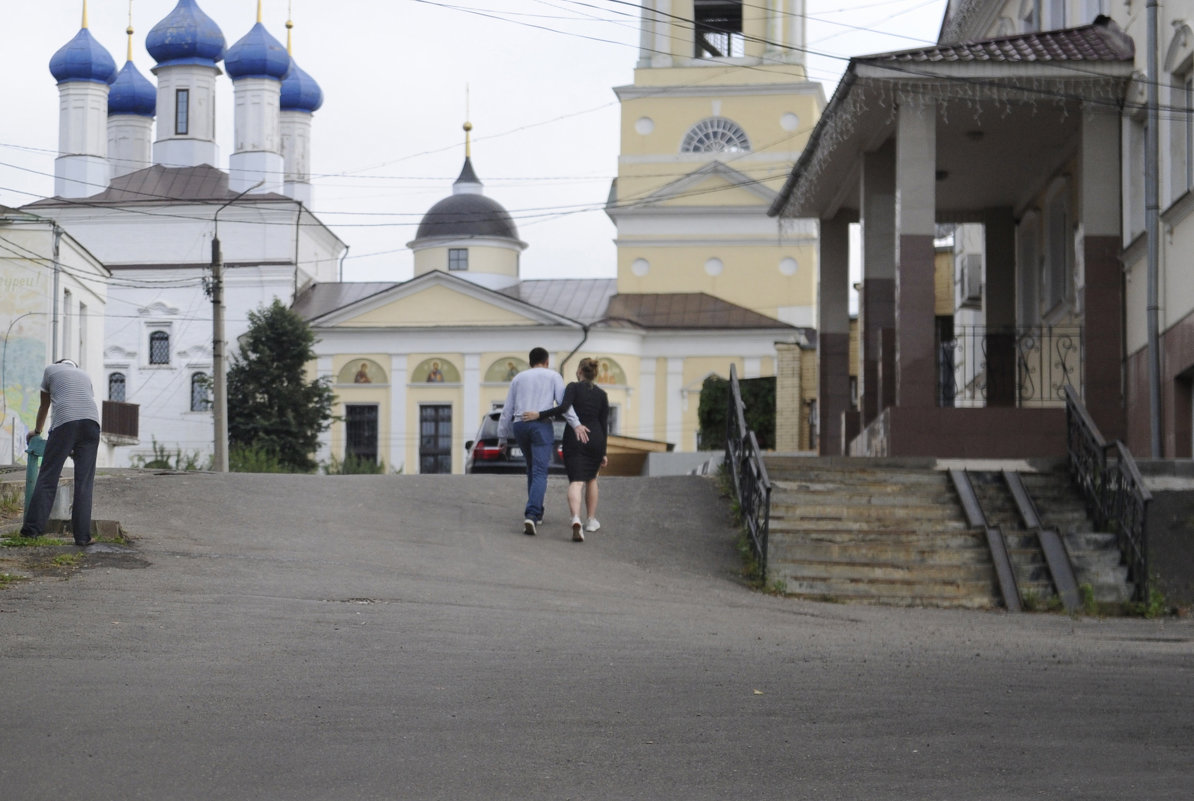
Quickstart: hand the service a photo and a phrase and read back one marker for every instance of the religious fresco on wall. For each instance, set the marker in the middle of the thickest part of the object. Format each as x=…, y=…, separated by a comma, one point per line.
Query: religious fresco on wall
x=505, y=368
x=609, y=371
x=24, y=353
x=435, y=371
x=362, y=371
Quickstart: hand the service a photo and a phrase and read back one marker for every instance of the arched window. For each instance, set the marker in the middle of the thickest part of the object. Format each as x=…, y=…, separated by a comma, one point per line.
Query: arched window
x=200, y=393
x=116, y=387
x=715, y=135
x=159, y=348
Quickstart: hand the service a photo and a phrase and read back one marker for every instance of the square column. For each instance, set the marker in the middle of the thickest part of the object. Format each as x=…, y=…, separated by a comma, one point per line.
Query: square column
x=833, y=336
x=915, y=213
x=877, y=301
x=1099, y=273
x=999, y=306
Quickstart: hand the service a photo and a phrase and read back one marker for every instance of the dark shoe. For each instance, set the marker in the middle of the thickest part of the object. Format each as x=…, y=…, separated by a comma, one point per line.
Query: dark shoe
x=85, y=544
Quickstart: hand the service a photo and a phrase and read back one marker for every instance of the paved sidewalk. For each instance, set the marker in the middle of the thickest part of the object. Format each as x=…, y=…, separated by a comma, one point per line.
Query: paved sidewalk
x=399, y=637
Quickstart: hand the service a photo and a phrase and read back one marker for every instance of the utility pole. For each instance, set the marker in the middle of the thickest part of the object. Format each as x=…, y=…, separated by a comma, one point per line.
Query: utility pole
x=219, y=379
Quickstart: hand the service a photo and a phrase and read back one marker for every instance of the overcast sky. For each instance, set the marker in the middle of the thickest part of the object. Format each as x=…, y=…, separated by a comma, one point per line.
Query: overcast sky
x=535, y=77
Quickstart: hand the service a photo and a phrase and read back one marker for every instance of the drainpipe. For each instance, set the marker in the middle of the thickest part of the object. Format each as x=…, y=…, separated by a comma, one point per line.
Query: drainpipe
x=54, y=303
x=1152, y=228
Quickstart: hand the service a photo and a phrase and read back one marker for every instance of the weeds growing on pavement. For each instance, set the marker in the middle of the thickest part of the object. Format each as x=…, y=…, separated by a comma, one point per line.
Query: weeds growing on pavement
x=7, y=579
x=29, y=542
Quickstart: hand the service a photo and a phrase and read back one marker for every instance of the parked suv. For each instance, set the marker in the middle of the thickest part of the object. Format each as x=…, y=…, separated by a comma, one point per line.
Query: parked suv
x=484, y=456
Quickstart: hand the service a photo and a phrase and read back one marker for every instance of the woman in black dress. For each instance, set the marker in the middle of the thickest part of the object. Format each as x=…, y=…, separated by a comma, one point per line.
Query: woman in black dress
x=582, y=460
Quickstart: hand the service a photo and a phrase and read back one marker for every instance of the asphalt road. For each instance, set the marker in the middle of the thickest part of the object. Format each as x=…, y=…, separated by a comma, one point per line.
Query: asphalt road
x=399, y=637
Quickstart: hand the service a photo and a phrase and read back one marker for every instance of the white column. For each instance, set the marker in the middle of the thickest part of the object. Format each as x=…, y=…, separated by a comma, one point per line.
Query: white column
x=675, y=402
x=471, y=411
x=398, y=434
x=323, y=448
x=646, y=402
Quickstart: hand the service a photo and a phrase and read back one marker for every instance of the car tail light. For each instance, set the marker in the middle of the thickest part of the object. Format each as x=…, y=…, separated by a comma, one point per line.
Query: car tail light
x=560, y=451
x=486, y=452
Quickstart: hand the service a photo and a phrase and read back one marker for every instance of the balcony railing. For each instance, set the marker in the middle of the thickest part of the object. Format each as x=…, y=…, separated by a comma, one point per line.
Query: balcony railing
x=121, y=422
x=981, y=366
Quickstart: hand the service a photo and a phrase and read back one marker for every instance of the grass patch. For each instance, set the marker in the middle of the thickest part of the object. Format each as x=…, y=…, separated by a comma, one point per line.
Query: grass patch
x=7, y=579
x=67, y=560
x=16, y=541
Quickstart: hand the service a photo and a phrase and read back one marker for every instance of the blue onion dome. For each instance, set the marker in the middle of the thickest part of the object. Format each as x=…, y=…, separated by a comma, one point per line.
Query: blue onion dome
x=257, y=55
x=132, y=93
x=300, y=92
x=83, y=59
x=186, y=36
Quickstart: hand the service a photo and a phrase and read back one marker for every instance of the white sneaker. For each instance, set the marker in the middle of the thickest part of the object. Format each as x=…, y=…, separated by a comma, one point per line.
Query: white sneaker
x=592, y=525
x=577, y=536
x=528, y=527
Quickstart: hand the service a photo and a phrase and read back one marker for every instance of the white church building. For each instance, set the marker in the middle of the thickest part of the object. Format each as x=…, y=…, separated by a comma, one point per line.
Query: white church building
x=138, y=184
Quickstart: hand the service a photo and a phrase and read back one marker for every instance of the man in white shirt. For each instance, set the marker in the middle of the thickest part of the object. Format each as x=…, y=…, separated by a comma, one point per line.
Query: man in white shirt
x=530, y=391
x=75, y=433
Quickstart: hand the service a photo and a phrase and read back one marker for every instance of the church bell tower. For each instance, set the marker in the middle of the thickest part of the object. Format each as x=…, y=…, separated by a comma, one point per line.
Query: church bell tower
x=720, y=109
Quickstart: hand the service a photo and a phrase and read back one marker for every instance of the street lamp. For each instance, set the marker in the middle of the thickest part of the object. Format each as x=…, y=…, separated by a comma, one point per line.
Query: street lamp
x=219, y=407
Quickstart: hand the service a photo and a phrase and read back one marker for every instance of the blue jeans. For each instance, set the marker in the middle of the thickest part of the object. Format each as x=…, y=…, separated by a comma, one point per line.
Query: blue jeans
x=80, y=439
x=536, y=438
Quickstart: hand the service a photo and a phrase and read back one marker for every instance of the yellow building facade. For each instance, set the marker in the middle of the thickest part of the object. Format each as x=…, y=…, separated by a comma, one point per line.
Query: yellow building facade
x=719, y=110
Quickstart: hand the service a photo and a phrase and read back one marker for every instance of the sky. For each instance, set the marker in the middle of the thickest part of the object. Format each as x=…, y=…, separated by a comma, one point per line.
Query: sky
x=400, y=77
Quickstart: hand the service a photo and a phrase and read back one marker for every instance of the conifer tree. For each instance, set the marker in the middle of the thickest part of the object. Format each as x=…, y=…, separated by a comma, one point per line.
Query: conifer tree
x=273, y=406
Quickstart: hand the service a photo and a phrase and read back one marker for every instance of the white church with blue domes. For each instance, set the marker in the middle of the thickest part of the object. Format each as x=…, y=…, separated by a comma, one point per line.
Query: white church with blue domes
x=140, y=184
x=414, y=364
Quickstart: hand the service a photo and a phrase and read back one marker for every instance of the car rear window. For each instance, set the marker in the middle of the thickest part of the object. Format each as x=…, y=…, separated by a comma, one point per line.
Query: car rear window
x=489, y=428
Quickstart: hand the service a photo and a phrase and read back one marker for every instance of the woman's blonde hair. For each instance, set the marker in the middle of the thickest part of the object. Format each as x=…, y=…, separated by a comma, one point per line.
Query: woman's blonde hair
x=587, y=369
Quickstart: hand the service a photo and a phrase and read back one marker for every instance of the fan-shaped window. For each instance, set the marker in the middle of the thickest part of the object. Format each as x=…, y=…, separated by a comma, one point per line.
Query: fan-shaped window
x=715, y=135
x=116, y=387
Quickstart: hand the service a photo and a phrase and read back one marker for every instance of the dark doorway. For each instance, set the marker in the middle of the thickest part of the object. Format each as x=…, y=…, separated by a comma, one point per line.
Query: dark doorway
x=360, y=422
x=435, y=438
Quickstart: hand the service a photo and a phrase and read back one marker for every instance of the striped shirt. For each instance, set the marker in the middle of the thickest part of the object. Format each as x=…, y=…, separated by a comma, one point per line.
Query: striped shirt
x=71, y=395
x=530, y=391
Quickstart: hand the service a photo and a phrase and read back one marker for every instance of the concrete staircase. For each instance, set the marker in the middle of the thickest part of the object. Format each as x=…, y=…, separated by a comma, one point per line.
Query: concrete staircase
x=874, y=531
x=1095, y=555
x=893, y=532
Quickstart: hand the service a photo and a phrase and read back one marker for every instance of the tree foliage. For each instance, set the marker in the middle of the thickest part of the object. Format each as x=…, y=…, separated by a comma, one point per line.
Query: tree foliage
x=758, y=398
x=272, y=405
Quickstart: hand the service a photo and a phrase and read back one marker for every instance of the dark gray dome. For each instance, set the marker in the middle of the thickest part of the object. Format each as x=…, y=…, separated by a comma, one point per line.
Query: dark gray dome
x=467, y=215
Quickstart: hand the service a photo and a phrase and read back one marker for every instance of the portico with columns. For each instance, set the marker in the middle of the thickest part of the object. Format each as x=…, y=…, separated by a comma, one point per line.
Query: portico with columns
x=1022, y=148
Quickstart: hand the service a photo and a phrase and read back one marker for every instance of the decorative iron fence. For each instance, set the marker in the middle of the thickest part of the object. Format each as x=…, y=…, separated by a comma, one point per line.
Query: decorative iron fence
x=981, y=366
x=1113, y=487
x=751, y=484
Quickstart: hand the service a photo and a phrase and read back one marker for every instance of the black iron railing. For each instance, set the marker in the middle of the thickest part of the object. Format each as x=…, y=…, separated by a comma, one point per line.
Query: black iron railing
x=1113, y=487
x=982, y=366
x=752, y=487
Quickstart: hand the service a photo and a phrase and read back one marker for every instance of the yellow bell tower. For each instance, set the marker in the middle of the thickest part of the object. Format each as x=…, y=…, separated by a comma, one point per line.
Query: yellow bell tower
x=720, y=109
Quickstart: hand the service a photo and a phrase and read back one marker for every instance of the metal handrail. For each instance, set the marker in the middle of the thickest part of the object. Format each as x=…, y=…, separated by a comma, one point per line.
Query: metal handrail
x=752, y=486
x=1112, y=485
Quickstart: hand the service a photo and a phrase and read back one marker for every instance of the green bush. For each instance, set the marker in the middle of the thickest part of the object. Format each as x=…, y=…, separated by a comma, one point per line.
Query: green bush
x=354, y=466
x=758, y=397
x=256, y=459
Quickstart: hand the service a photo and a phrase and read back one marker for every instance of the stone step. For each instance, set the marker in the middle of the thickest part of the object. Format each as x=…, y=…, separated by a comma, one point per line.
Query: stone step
x=797, y=525
x=878, y=552
x=954, y=594
x=884, y=512
x=851, y=571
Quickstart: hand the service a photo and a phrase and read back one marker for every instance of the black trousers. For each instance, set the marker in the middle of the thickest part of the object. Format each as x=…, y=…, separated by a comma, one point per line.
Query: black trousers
x=79, y=438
